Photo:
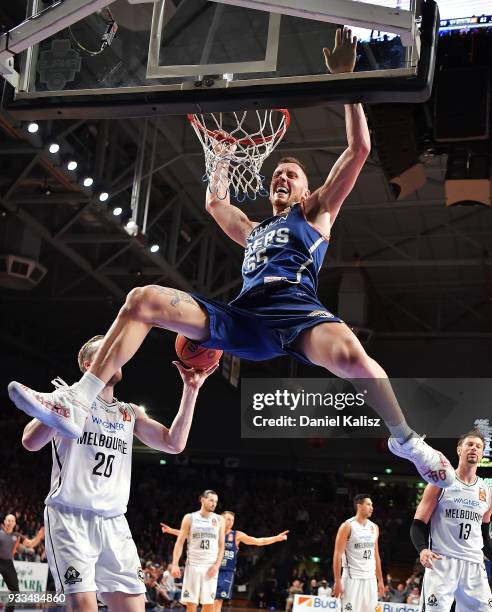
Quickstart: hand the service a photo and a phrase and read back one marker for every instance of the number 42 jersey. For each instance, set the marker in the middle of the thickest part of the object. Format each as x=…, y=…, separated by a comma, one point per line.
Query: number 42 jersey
x=94, y=472
x=456, y=523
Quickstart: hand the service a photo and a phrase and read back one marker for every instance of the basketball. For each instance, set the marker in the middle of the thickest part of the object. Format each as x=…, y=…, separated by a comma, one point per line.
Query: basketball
x=194, y=355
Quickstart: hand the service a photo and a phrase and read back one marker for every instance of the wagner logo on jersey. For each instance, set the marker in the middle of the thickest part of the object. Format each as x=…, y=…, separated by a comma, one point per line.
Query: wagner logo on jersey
x=456, y=523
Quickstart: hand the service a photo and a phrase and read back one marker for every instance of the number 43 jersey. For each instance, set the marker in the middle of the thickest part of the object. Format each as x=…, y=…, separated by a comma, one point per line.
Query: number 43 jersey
x=456, y=523
x=94, y=472
x=203, y=539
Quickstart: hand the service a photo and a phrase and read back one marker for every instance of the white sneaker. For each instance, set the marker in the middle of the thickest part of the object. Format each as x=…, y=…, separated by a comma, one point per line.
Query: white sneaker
x=64, y=409
x=432, y=465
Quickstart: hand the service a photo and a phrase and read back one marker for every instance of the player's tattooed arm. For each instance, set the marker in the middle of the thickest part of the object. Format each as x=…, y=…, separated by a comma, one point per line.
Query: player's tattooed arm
x=177, y=296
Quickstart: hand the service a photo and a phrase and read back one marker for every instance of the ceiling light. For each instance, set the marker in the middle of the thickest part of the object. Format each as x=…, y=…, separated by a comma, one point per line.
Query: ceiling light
x=72, y=165
x=32, y=128
x=88, y=181
x=54, y=147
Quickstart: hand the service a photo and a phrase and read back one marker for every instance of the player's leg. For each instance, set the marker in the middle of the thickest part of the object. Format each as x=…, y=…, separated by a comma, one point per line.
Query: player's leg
x=439, y=585
x=72, y=550
x=118, y=574
x=335, y=347
x=145, y=307
x=218, y=605
x=191, y=607
x=123, y=602
x=473, y=591
x=81, y=602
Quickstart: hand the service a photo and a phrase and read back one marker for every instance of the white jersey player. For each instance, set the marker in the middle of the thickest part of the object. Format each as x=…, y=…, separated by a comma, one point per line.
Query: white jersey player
x=450, y=531
x=204, y=532
x=357, y=552
x=88, y=542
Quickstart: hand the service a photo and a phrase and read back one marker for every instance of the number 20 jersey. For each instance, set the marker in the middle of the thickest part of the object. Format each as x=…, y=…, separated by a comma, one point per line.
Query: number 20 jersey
x=456, y=523
x=93, y=472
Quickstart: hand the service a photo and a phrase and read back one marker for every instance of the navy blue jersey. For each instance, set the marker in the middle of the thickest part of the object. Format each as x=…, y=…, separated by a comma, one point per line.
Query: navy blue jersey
x=285, y=248
x=230, y=553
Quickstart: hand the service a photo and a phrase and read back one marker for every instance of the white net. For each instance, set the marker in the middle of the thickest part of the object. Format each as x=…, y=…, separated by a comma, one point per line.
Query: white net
x=235, y=146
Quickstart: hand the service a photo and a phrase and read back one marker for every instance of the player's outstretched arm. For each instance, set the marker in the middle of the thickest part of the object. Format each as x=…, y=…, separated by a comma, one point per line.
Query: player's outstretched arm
x=173, y=440
x=178, y=547
x=244, y=538
x=379, y=571
x=231, y=219
x=170, y=530
x=329, y=198
x=36, y=435
x=340, y=545
x=419, y=531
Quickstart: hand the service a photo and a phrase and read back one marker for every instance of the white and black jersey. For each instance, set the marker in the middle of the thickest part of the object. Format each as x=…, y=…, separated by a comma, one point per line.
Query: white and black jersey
x=456, y=523
x=203, y=539
x=94, y=472
x=359, y=557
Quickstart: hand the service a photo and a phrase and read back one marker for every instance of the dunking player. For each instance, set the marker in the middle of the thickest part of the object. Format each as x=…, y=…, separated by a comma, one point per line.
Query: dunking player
x=277, y=311
x=357, y=550
x=204, y=531
x=233, y=539
x=88, y=541
x=450, y=529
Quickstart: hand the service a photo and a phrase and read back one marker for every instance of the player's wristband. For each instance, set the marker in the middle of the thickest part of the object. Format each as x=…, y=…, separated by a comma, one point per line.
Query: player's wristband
x=419, y=534
x=487, y=540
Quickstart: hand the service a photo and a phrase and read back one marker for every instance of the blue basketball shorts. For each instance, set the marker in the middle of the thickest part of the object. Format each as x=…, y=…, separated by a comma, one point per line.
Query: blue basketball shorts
x=265, y=323
x=225, y=583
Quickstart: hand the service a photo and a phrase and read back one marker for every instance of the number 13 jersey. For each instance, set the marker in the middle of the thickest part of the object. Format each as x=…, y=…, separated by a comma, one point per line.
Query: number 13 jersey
x=203, y=539
x=94, y=472
x=456, y=523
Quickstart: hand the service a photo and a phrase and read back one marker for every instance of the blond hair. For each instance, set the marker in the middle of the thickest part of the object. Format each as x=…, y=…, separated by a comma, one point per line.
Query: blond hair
x=88, y=351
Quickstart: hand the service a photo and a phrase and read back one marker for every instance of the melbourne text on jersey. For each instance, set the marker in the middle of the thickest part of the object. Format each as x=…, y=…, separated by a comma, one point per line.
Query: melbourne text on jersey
x=91, y=438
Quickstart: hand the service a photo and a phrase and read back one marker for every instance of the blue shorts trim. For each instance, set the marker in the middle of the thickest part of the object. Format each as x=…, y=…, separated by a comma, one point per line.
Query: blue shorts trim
x=264, y=324
x=225, y=582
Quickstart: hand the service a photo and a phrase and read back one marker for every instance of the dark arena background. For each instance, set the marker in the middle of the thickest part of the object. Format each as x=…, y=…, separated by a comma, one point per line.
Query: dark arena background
x=409, y=268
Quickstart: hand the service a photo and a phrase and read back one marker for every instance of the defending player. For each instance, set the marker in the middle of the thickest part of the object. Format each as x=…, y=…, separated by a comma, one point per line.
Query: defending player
x=451, y=531
x=357, y=551
x=277, y=311
x=233, y=539
x=88, y=542
x=204, y=531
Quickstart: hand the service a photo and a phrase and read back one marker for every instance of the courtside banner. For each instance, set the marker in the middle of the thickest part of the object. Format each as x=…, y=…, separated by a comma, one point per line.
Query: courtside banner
x=336, y=408
x=302, y=602
x=32, y=576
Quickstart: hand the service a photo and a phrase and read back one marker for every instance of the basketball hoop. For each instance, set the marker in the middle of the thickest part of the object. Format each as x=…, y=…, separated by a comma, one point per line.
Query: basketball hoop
x=235, y=145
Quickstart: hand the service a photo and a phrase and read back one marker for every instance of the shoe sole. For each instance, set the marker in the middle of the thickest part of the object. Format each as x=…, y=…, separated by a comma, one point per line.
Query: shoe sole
x=443, y=484
x=28, y=404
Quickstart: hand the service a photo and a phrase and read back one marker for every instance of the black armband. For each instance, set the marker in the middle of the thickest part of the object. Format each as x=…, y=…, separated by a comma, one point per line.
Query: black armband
x=419, y=534
x=487, y=540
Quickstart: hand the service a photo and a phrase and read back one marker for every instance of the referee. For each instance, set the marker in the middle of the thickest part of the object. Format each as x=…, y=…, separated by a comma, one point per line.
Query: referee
x=9, y=542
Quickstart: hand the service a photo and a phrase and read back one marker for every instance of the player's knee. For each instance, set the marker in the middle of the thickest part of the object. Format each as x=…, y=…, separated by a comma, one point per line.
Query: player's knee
x=351, y=359
x=141, y=303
